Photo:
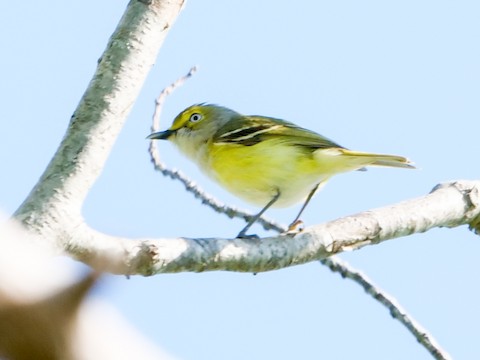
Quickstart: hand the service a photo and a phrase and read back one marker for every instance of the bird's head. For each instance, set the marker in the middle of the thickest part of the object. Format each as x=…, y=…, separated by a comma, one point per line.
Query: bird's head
x=197, y=122
x=194, y=127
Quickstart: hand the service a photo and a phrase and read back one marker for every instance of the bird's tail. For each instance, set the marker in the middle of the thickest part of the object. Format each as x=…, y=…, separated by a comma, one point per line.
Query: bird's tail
x=380, y=159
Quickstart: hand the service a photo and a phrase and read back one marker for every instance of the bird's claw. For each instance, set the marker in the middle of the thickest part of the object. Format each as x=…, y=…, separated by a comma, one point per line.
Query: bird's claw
x=245, y=236
x=295, y=227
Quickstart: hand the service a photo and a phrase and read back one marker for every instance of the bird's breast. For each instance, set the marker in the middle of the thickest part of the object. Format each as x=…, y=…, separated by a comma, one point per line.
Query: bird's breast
x=256, y=173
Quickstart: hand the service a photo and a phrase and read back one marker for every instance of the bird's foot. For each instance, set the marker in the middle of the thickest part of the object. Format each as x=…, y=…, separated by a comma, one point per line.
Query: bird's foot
x=294, y=228
x=242, y=235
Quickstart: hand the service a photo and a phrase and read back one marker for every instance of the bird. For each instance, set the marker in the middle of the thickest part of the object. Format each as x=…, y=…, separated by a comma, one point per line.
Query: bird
x=265, y=161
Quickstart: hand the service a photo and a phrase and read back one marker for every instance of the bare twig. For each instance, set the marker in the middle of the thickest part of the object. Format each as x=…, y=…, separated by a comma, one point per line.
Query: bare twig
x=163, y=95
x=397, y=312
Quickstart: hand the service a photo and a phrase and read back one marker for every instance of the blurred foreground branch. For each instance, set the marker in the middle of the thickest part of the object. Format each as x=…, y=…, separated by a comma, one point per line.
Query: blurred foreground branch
x=46, y=311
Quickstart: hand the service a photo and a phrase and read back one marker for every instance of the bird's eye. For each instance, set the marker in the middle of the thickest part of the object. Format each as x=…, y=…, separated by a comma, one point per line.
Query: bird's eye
x=195, y=117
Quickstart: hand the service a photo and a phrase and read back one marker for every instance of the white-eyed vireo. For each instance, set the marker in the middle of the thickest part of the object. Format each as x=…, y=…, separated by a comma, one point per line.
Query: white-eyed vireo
x=265, y=161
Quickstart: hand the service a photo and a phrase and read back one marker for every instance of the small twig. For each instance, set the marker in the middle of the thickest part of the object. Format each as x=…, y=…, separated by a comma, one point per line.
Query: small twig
x=163, y=95
x=422, y=336
x=190, y=186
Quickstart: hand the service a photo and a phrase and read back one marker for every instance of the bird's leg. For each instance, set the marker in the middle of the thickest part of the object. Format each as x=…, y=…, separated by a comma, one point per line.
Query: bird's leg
x=242, y=234
x=295, y=222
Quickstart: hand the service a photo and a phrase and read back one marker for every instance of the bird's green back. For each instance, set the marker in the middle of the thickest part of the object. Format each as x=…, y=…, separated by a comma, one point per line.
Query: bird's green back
x=250, y=130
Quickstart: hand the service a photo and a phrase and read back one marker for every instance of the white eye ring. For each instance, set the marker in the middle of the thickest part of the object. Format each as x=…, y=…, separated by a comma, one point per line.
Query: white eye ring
x=195, y=117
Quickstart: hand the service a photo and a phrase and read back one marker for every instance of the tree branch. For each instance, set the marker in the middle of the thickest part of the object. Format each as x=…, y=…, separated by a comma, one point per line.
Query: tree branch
x=397, y=312
x=448, y=205
x=56, y=200
x=53, y=208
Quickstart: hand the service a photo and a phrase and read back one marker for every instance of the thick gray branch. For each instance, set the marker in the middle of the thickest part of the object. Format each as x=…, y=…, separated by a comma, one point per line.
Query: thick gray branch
x=448, y=205
x=55, y=202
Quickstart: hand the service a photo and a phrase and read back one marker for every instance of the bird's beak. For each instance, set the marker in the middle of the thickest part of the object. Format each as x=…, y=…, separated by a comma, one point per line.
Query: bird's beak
x=161, y=135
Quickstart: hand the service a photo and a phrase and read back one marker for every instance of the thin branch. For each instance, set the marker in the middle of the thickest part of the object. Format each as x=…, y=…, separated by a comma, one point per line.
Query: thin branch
x=189, y=185
x=163, y=95
x=397, y=312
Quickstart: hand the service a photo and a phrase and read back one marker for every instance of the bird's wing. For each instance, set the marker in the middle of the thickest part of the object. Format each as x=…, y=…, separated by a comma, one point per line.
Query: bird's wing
x=250, y=130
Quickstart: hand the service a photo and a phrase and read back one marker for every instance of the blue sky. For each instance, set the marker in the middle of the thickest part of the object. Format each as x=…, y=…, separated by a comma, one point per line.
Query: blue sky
x=388, y=77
